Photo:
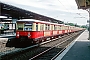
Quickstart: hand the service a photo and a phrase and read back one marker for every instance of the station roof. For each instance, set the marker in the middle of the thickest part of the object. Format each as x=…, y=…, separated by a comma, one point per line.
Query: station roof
x=83, y=4
x=19, y=13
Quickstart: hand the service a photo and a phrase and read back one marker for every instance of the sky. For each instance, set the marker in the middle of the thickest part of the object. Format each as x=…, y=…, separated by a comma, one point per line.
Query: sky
x=63, y=10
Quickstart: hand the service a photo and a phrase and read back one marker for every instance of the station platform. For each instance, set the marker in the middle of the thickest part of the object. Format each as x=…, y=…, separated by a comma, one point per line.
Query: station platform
x=7, y=35
x=78, y=50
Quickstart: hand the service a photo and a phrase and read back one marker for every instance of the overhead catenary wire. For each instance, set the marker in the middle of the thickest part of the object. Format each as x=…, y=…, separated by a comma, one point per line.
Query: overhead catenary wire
x=71, y=8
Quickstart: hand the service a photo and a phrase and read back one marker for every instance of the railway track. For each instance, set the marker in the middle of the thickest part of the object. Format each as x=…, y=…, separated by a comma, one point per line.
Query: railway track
x=49, y=54
x=35, y=51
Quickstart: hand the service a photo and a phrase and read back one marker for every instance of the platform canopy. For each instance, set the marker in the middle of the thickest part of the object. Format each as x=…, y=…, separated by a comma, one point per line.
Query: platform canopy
x=18, y=13
x=83, y=4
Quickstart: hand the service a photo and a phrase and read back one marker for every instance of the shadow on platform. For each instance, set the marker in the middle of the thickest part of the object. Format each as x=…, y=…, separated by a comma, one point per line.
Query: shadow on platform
x=79, y=51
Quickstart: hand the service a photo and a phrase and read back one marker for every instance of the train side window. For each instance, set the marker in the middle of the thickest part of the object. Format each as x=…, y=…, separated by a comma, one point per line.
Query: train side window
x=51, y=27
x=48, y=27
x=36, y=27
x=60, y=27
x=65, y=27
x=55, y=27
x=45, y=27
x=41, y=27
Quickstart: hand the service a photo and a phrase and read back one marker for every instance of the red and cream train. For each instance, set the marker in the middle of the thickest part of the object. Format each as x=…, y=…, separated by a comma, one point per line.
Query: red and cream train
x=35, y=31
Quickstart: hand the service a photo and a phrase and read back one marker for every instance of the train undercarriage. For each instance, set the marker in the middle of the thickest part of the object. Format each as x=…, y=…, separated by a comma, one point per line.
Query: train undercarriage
x=25, y=42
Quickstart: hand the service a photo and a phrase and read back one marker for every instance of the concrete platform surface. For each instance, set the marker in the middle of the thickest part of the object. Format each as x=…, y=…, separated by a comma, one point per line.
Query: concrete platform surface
x=78, y=50
x=7, y=35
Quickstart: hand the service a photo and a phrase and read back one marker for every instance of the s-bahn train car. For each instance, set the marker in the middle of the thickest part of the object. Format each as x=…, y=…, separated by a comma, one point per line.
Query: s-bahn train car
x=30, y=31
x=38, y=31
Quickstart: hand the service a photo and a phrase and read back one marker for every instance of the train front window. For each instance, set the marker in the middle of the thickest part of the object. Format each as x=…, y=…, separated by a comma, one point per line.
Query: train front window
x=19, y=26
x=28, y=27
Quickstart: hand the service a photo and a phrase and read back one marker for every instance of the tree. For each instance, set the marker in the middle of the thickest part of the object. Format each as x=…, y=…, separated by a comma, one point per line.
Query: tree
x=84, y=26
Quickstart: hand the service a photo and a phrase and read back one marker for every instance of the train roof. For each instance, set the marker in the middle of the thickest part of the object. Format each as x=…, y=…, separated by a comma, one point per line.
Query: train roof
x=33, y=20
x=29, y=20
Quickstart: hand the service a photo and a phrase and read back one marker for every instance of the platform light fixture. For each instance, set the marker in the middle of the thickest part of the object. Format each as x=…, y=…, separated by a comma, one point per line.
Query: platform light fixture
x=3, y=17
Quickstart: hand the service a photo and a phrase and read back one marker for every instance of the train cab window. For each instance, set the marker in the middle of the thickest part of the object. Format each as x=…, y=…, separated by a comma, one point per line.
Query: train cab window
x=19, y=26
x=28, y=27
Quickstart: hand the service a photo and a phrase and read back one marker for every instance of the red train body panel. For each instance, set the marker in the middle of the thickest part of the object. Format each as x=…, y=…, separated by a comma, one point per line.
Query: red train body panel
x=29, y=34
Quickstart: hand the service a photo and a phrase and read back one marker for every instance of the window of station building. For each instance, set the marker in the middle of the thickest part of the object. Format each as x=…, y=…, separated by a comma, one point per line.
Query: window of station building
x=28, y=27
x=6, y=26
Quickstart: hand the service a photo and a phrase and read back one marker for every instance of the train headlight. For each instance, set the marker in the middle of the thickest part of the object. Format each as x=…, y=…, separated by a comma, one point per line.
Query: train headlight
x=17, y=33
x=29, y=34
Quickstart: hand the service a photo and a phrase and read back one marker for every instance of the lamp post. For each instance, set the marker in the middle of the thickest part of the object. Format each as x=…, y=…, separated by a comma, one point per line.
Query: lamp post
x=89, y=24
